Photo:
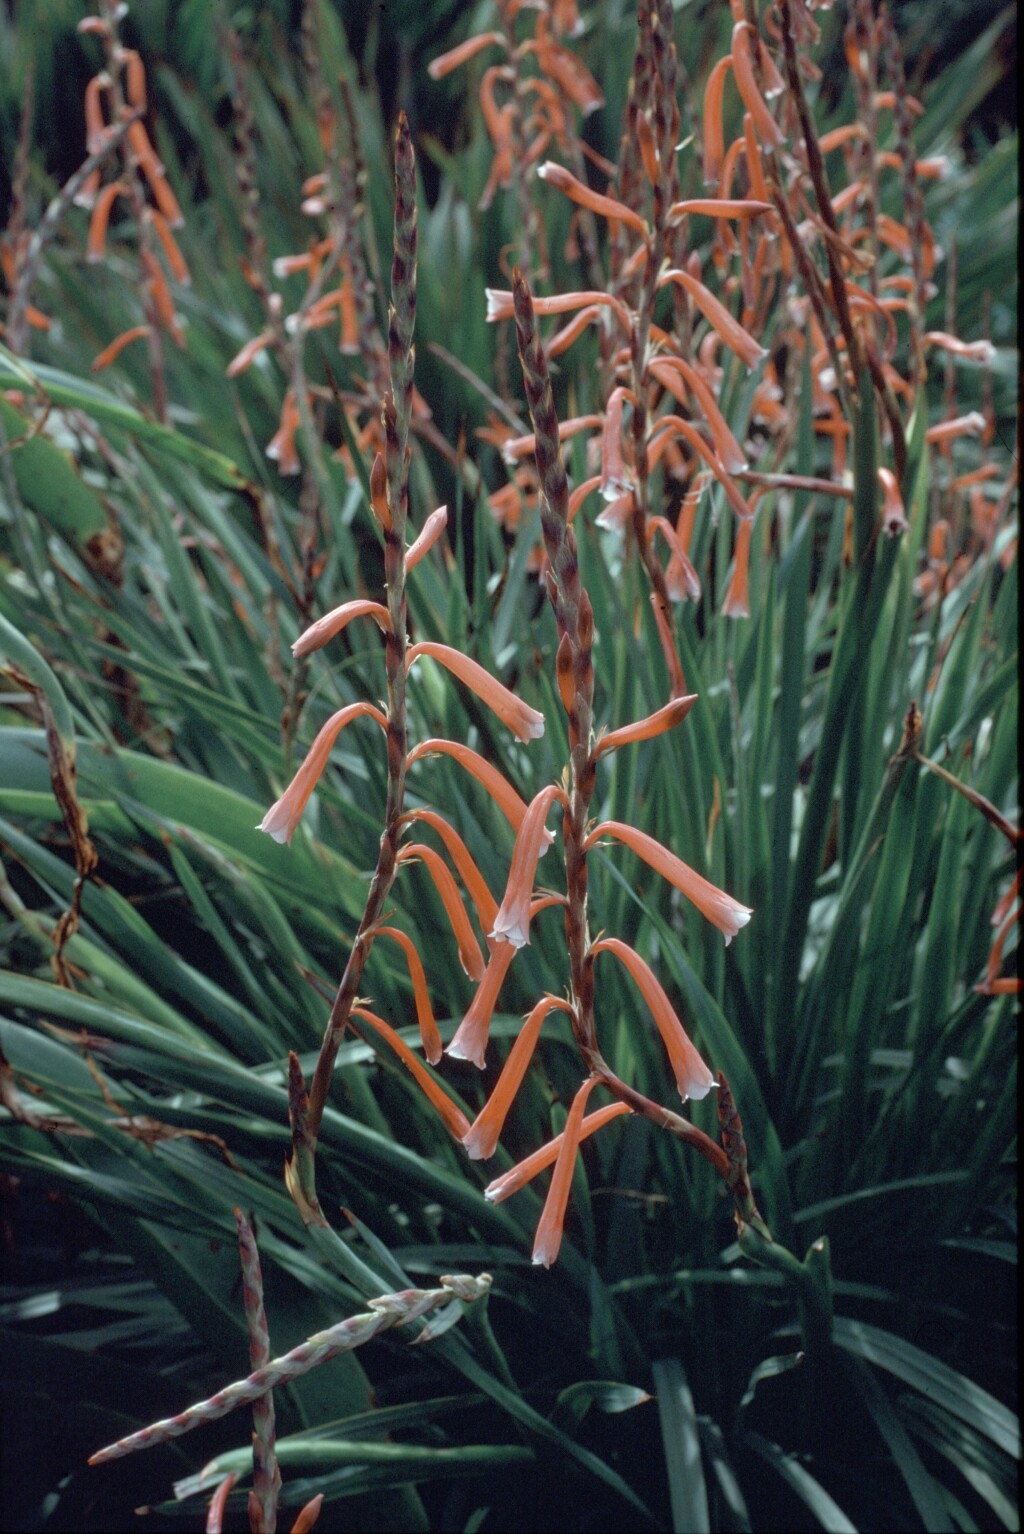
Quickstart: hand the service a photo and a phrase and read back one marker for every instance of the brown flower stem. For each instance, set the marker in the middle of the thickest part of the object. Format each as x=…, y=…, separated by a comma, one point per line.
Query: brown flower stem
x=396, y=415
x=575, y=620
x=819, y=180
x=266, y=1473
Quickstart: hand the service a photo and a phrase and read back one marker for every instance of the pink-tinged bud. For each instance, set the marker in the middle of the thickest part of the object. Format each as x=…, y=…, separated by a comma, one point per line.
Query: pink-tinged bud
x=693, y=1078
x=481, y=1141
x=431, y=531
x=525, y=723
x=285, y=813
x=646, y=729
x=512, y=923
x=549, y=1231
x=455, y=1121
x=727, y=914
x=894, y=517
x=332, y=623
x=510, y=1182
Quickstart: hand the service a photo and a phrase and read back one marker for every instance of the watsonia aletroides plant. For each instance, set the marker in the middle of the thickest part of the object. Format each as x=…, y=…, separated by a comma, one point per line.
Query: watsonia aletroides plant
x=506, y=926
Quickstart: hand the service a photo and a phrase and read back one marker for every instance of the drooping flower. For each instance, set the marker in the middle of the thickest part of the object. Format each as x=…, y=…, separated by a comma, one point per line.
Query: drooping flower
x=324, y=629
x=549, y=1231
x=512, y=923
x=607, y=207
x=500, y=789
x=472, y=878
x=424, y=1011
x=525, y=723
x=692, y=1075
x=727, y=914
x=894, y=517
x=718, y=317
x=663, y=719
x=481, y=1140
x=737, y=596
x=470, y=1041
x=470, y=956
x=285, y=813
x=455, y=1121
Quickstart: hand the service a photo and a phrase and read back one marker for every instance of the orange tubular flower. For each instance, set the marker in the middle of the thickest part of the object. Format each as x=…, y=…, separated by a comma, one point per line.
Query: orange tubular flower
x=470, y=1041
x=324, y=629
x=714, y=138
x=525, y=723
x=245, y=357
x=96, y=249
x=686, y=429
x=472, y=878
x=743, y=68
x=613, y=471
x=692, y=1076
x=646, y=729
x=446, y=62
x=175, y=259
x=718, y=317
x=737, y=597
x=512, y=923
x=894, y=517
x=430, y=532
x=677, y=681
x=470, y=957
x=681, y=579
x=500, y=789
x=500, y=307
x=510, y=1182
x=607, y=207
x=455, y=1121
x=727, y=914
x=424, y=1011
x=549, y=1231
x=718, y=207
x=281, y=447
x=733, y=458
x=481, y=1140
x=971, y=351
x=285, y=813
x=117, y=346
x=969, y=425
